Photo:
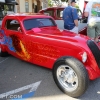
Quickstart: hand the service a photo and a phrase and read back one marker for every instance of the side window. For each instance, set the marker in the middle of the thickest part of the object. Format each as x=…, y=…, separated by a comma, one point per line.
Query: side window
x=26, y=6
x=12, y=25
x=49, y=13
x=59, y=13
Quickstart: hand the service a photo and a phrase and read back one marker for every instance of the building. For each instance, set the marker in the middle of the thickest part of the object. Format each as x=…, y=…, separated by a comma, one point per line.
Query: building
x=6, y=7
x=21, y=6
x=31, y=5
x=1, y=8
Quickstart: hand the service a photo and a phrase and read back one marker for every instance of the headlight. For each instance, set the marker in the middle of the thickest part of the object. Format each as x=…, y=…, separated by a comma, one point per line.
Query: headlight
x=84, y=57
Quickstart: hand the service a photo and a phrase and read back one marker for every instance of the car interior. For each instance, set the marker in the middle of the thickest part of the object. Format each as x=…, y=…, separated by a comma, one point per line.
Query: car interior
x=12, y=25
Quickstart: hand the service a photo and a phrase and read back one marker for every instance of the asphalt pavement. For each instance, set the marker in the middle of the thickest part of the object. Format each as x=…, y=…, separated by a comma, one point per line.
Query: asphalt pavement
x=17, y=77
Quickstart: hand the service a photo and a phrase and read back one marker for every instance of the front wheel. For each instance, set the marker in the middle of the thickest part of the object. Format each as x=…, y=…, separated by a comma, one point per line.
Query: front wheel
x=71, y=76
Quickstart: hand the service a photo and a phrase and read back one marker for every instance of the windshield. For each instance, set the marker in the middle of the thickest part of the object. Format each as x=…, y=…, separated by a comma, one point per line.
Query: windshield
x=38, y=22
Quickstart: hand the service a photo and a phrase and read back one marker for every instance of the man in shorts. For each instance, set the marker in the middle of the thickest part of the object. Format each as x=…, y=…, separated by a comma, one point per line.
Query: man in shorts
x=92, y=11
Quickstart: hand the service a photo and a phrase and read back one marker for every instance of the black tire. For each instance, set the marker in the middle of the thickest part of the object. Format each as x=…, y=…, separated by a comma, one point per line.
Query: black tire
x=3, y=54
x=80, y=72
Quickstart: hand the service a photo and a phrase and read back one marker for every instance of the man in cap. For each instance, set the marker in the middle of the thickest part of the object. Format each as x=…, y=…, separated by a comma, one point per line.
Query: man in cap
x=70, y=17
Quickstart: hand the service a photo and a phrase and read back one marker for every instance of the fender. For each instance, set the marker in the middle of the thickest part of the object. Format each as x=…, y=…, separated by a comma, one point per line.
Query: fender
x=91, y=73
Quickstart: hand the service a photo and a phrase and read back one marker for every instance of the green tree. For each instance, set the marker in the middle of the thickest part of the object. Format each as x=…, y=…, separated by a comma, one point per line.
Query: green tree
x=50, y=4
x=64, y=0
x=58, y=2
x=5, y=9
x=77, y=6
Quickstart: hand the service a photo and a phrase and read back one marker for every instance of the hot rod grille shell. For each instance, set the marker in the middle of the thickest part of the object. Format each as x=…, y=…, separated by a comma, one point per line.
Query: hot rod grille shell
x=95, y=50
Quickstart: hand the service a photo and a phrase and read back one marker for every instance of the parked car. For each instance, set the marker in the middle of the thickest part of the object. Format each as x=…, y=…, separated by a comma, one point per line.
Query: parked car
x=57, y=12
x=73, y=58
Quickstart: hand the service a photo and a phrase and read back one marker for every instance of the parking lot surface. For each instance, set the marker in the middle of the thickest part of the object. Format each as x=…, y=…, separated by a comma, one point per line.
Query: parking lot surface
x=19, y=77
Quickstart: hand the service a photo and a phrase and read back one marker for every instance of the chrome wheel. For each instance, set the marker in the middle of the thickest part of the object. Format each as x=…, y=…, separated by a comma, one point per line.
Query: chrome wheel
x=67, y=78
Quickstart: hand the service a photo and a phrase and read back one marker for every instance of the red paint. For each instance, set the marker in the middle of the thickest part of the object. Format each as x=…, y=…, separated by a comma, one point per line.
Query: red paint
x=83, y=31
x=47, y=46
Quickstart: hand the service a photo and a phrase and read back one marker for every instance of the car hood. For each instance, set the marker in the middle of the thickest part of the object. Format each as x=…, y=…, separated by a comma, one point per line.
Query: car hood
x=54, y=32
x=60, y=38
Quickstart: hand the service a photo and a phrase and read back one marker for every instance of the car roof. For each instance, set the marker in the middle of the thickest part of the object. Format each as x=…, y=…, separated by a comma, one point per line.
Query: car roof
x=52, y=8
x=22, y=16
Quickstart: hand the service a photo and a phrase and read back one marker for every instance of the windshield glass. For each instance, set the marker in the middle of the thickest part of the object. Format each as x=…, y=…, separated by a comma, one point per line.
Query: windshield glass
x=38, y=22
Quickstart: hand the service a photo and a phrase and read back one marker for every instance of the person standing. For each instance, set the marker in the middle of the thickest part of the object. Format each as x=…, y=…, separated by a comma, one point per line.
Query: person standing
x=92, y=11
x=70, y=17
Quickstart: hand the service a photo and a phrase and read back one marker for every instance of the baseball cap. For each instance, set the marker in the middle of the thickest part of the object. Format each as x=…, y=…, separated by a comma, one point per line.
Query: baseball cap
x=73, y=1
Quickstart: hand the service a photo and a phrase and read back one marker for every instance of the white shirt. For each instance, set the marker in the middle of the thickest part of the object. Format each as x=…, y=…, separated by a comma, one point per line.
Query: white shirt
x=93, y=7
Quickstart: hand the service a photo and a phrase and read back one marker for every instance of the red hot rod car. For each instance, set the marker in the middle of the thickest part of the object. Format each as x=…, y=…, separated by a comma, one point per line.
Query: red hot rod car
x=73, y=58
